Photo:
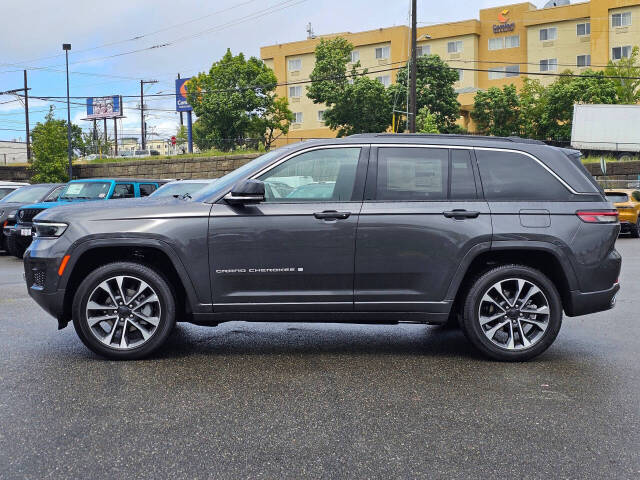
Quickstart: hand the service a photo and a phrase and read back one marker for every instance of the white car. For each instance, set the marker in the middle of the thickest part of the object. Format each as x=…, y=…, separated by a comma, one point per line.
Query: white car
x=7, y=187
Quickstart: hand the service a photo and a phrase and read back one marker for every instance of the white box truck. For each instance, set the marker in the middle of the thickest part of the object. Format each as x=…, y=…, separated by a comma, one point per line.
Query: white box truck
x=606, y=129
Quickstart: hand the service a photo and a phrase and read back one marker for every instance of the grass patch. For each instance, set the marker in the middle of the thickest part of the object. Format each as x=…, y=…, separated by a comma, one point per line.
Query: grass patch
x=609, y=159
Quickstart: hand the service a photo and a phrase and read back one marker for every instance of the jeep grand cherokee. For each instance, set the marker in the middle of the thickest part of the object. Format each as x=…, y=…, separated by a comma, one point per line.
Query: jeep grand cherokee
x=501, y=233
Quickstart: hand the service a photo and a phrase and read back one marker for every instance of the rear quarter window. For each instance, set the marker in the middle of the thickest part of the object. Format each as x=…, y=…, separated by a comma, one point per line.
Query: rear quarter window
x=517, y=177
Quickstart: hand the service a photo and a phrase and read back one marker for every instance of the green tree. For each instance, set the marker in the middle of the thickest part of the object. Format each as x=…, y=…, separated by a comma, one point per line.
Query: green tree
x=182, y=136
x=49, y=146
x=274, y=123
x=355, y=103
x=627, y=89
x=434, y=90
x=426, y=121
x=497, y=111
x=533, y=105
x=93, y=145
x=227, y=99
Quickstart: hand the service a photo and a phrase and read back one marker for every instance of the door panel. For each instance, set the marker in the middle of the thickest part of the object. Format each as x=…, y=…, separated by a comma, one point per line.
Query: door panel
x=295, y=251
x=416, y=228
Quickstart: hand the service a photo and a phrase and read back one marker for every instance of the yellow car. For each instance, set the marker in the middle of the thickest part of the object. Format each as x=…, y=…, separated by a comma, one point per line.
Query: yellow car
x=627, y=201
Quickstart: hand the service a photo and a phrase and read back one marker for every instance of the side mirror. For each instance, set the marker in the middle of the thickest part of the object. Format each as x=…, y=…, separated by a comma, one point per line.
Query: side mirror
x=245, y=193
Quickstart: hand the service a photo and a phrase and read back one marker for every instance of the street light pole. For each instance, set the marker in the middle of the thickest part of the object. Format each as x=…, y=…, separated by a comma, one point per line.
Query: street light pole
x=66, y=47
x=413, y=69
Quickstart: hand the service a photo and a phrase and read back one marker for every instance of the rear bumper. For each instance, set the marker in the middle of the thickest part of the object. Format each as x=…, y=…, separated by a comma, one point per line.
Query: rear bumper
x=583, y=303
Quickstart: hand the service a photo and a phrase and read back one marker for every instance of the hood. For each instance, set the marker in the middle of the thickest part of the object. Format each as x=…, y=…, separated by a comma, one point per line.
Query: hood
x=6, y=209
x=129, y=208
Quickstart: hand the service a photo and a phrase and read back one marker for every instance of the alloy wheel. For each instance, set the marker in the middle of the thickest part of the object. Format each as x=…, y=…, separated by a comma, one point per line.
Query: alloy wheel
x=514, y=314
x=123, y=312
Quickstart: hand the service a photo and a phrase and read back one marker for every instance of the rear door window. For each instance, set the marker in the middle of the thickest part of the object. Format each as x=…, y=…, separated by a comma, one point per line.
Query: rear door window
x=463, y=183
x=147, y=189
x=513, y=176
x=123, y=190
x=53, y=196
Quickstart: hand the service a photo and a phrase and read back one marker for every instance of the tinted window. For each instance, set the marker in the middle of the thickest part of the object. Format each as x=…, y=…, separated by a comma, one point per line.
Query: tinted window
x=412, y=173
x=614, y=197
x=147, y=189
x=319, y=175
x=514, y=176
x=463, y=184
x=53, y=196
x=27, y=194
x=123, y=190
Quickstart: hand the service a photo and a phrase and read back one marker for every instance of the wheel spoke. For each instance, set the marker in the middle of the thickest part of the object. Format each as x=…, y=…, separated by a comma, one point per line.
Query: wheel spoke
x=123, y=341
x=525, y=341
x=537, y=323
x=152, y=320
x=511, y=341
x=521, y=284
x=543, y=310
x=95, y=320
x=141, y=288
x=492, y=331
x=119, y=281
x=487, y=298
x=484, y=320
x=109, y=337
x=532, y=291
x=105, y=287
x=498, y=289
x=144, y=332
x=152, y=298
x=91, y=305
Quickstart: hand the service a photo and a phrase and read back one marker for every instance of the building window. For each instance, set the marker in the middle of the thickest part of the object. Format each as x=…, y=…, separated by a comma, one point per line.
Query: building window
x=512, y=41
x=621, y=19
x=295, y=92
x=355, y=56
x=383, y=53
x=583, y=60
x=460, y=74
x=549, y=65
x=550, y=33
x=583, y=29
x=496, y=43
x=454, y=47
x=384, y=80
x=422, y=50
x=621, y=52
x=496, y=73
x=297, y=117
x=321, y=115
x=295, y=64
x=512, y=70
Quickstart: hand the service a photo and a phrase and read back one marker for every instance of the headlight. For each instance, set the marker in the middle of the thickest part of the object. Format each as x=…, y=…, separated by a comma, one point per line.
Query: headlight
x=49, y=230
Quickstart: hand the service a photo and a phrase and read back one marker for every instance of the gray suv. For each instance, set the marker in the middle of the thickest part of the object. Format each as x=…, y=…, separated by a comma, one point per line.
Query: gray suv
x=500, y=235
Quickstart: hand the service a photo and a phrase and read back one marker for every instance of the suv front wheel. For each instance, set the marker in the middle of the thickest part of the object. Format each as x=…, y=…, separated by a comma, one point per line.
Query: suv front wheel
x=124, y=311
x=512, y=313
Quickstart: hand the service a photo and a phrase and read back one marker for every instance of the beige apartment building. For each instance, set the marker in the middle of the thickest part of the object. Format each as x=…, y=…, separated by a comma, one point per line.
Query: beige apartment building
x=503, y=46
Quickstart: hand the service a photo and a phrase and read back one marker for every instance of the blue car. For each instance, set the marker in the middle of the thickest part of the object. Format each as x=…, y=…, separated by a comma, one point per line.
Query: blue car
x=94, y=189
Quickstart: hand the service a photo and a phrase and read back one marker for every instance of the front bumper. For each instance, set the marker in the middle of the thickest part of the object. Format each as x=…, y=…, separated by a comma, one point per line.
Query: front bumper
x=42, y=280
x=22, y=233
x=582, y=303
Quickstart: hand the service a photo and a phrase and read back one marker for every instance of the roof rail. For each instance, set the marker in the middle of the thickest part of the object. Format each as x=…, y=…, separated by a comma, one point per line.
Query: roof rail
x=512, y=139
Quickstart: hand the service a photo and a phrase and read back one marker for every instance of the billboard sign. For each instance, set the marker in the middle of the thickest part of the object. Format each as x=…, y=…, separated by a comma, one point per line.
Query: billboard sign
x=182, y=104
x=104, y=107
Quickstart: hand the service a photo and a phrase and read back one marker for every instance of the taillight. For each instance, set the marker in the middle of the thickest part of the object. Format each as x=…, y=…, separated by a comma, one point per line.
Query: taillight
x=602, y=216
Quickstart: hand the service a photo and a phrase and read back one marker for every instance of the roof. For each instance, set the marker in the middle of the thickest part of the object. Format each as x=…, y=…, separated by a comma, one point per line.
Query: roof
x=135, y=180
x=440, y=136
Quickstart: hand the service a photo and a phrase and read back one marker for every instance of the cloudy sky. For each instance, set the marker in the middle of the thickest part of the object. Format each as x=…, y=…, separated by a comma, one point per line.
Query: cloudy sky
x=104, y=34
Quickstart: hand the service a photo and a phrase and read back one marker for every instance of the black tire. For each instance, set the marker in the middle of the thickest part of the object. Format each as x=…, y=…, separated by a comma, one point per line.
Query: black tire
x=634, y=230
x=471, y=320
x=155, y=280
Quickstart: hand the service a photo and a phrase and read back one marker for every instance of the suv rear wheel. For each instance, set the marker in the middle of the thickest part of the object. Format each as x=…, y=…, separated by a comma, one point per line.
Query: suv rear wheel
x=512, y=313
x=124, y=311
x=634, y=229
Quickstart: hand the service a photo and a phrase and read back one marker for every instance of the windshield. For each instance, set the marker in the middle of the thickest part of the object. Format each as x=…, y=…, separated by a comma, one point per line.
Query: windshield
x=614, y=197
x=28, y=194
x=178, y=189
x=226, y=182
x=85, y=191
x=4, y=191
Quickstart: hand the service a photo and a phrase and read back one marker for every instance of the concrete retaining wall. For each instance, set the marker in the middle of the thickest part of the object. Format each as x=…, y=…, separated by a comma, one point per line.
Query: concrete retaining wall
x=199, y=167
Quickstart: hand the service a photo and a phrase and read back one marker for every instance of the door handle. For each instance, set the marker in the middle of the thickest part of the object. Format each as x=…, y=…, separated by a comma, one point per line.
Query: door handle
x=331, y=215
x=461, y=214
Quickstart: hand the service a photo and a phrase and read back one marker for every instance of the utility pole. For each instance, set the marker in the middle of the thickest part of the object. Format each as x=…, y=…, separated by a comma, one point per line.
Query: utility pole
x=142, y=123
x=413, y=68
x=181, y=121
x=26, y=115
x=66, y=47
x=115, y=135
x=26, y=108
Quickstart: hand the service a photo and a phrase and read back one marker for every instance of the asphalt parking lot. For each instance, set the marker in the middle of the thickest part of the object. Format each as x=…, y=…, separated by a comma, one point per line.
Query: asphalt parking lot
x=320, y=401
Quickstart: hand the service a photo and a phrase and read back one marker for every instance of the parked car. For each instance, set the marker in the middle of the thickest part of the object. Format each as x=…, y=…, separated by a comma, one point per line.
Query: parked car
x=627, y=201
x=178, y=188
x=78, y=191
x=7, y=187
x=501, y=233
x=9, y=205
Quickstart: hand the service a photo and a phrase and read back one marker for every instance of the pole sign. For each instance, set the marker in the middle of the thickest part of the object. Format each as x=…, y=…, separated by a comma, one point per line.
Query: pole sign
x=182, y=104
x=104, y=107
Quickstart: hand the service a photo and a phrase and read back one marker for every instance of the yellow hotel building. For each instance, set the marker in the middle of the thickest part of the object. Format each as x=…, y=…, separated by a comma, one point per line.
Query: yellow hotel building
x=503, y=44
